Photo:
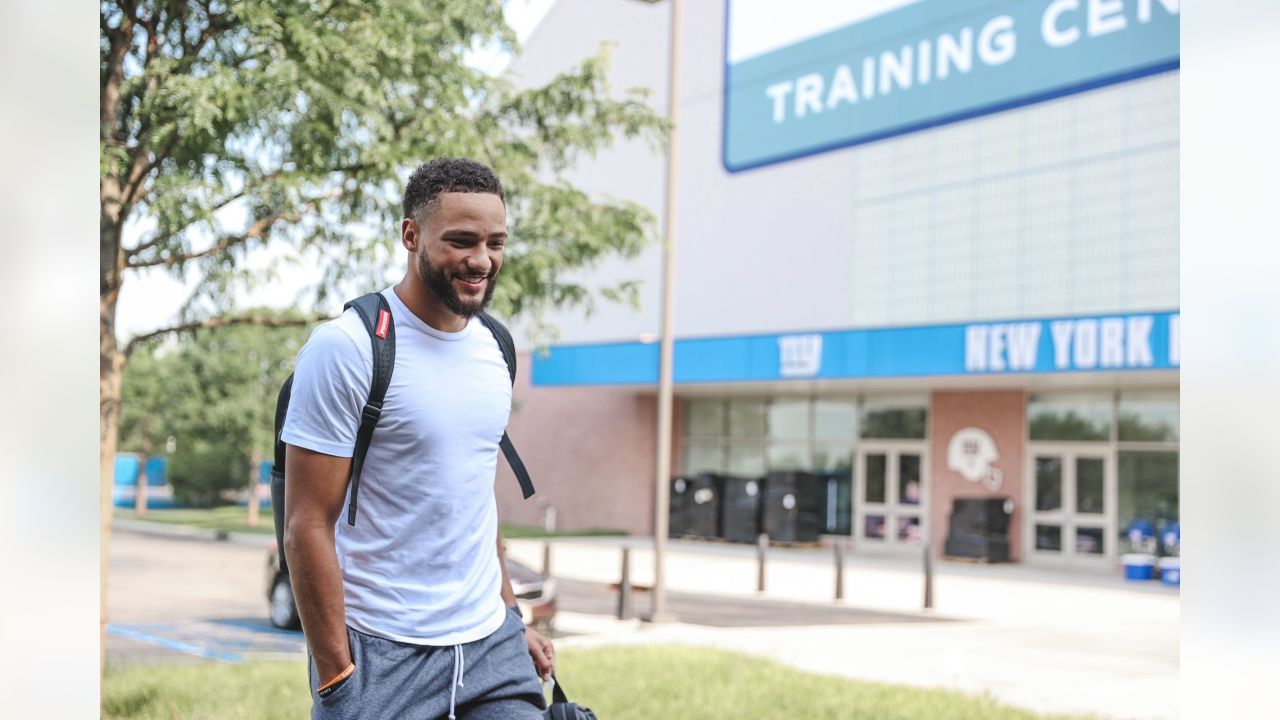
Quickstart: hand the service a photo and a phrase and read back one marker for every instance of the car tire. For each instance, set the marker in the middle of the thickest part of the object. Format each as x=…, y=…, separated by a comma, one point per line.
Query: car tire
x=283, y=610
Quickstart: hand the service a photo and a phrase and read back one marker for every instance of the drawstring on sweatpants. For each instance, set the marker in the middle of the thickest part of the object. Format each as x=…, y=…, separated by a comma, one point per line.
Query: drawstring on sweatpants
x=459, y=665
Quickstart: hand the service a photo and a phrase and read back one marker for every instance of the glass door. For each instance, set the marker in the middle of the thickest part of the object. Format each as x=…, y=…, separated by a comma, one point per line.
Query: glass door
x=890, y=494
x=1071, y=498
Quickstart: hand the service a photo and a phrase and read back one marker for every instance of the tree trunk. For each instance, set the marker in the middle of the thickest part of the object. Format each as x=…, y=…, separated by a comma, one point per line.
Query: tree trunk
x=111, y=214
x=111, y=374
x=140, y=490
x=255, y=459
x=147, y=452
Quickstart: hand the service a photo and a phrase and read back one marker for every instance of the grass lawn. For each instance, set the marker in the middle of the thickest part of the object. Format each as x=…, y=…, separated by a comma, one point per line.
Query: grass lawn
x=516, y=532
x=231, y=518
x=235, y=518
x=618, y=683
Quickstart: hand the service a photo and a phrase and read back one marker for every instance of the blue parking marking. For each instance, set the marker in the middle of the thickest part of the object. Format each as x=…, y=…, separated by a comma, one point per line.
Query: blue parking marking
x=259, y=628
x=181, y=647
x=229, y=641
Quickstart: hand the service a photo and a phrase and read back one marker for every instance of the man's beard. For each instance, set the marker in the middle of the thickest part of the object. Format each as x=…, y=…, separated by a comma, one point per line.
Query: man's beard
x=440, y=283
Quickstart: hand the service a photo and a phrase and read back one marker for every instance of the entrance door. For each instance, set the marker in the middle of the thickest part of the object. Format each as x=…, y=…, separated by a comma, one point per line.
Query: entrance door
x=1071, y=503
x=891, y=494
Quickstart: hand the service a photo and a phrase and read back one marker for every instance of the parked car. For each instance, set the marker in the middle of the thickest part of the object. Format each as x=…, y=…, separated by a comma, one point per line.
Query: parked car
x=535, y=594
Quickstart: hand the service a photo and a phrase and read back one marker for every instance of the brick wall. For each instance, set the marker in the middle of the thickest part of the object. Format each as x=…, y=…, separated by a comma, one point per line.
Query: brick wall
x=1003, y=415
x=590, y=454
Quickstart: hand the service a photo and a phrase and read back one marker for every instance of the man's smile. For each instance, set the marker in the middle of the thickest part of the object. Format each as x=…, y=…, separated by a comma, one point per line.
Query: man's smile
x=472, y=282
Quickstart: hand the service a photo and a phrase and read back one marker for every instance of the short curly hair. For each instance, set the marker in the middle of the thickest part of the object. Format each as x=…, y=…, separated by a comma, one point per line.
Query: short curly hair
x=446, y=174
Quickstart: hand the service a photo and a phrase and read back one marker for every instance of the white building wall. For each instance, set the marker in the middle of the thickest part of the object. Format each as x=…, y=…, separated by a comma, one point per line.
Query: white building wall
x=637, y=36
x=1066, y=207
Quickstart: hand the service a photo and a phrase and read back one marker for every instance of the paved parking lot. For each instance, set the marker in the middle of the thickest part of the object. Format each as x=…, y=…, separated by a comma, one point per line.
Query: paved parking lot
x=1048, y=641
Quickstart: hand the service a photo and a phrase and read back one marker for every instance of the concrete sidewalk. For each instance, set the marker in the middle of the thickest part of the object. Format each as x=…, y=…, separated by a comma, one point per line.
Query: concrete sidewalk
x=1044, y=640
x=1049, y=641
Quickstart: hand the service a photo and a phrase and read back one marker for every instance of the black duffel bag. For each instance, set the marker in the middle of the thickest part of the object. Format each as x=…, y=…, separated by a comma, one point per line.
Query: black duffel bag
x=562, y=709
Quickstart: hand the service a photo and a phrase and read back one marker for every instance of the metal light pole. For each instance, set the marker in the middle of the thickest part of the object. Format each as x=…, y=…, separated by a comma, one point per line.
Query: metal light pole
x=662, y=487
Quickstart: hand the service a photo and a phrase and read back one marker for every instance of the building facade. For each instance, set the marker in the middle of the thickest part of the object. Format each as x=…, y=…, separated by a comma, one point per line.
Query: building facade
x=926, y=252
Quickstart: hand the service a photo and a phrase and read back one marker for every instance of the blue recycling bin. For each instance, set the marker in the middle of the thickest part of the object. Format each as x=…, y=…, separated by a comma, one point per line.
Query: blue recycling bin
x=1139, y=566
x=1171, y=538
x=1141, y=535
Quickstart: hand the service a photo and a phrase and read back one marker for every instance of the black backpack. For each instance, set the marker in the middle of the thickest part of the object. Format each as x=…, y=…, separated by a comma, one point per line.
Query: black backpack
x=376, y=314
x=562, y=709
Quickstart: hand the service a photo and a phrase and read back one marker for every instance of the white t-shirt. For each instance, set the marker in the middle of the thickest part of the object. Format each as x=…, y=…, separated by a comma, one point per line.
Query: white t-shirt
x=420, y=565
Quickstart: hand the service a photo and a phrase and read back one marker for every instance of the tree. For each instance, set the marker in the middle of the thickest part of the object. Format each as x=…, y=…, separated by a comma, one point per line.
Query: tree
x=214, y=391
x=148, y=415
x=202, y=469
x=229, y=125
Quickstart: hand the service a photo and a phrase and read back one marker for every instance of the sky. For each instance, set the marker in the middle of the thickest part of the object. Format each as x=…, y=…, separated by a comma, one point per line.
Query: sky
x=150, y=298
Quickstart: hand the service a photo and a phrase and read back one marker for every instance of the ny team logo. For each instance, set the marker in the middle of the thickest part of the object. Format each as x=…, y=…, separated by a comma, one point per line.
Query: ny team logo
x=799, y=355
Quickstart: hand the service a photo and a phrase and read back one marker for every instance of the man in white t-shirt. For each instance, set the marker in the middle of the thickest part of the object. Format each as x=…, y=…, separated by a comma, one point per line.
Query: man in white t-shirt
x=409, y=613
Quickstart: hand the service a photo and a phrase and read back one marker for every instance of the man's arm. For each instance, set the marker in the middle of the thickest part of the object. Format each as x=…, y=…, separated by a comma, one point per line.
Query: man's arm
x=315, y=487
x=540, y=648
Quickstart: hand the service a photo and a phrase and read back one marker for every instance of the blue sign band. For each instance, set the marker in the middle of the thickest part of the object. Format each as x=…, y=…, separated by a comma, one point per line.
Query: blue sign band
x=1132, y=342
x=932, y=63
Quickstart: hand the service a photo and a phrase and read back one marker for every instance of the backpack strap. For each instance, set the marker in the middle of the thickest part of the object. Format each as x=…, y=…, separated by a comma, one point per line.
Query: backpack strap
x=376, y=315
x=508, y=347
x=277, y=470
x=557, y=692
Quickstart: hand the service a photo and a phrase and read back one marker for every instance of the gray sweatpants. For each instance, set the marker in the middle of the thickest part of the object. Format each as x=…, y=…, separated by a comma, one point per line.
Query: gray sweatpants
x=490, y=679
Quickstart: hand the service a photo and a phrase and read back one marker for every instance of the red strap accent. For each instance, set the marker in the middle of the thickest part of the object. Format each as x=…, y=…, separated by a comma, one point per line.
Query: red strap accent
x=384, y=324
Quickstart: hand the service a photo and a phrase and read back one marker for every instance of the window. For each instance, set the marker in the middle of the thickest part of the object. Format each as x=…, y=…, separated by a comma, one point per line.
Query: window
x=750, y=437
x=1148, y=489
x=1067, y=417
x=704, y=418
x=833, y=458
x=1048, y=484
x=784, y=456
x=834, y=419
x=1148, y=417
x=877, y=479
x=747, y=418
x=1090, y=492
x=789, y=419
x=894, y=418
x=909, y=487
x=745, y=459
x=1049, y=537
x=702, y=458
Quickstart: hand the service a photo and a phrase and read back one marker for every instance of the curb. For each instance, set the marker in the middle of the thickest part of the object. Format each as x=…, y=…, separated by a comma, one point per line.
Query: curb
x=171, y=530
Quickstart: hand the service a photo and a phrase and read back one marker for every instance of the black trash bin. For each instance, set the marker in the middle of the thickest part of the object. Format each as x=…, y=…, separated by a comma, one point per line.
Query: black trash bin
x=695, y=506
x=979, y=529
x=740, y=506
x=678, y=513
x=793, y=506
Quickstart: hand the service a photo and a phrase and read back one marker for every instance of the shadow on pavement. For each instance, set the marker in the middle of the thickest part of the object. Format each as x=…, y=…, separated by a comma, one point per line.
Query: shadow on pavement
x=722, y=611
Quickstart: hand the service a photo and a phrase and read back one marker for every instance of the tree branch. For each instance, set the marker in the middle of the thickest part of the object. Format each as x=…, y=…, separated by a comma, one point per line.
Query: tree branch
x=109, y=101
x=160, y=238
x=257, y=229
x=216, y=322
x=137, y=173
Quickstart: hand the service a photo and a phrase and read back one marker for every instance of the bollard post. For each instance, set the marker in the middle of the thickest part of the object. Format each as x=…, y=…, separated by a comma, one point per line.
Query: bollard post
x=762, y=549
x=839, y=570
x=928, y=577
x=624, y=586
x=546, y=558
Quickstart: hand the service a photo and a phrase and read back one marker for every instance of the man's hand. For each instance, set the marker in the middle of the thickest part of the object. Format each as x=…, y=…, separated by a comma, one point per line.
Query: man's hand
x=542, y=652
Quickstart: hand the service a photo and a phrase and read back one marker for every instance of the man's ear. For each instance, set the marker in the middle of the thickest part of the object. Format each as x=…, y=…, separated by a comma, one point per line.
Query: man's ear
x=410, y=236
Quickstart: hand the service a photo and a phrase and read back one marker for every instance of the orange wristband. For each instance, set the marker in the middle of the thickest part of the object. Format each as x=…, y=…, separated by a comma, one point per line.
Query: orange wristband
x=346, y=673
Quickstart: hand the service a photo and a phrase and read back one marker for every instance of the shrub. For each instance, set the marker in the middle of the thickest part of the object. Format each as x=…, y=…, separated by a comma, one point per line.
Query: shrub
x=200, y=471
